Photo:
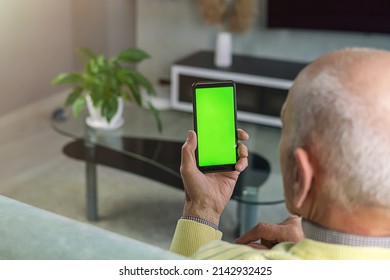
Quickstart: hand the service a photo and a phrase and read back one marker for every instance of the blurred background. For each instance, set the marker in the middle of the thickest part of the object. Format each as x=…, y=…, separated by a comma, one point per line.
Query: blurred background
x=38, y=40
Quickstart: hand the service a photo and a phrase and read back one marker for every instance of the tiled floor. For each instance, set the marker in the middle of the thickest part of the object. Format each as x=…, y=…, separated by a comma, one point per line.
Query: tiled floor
x=34, y=170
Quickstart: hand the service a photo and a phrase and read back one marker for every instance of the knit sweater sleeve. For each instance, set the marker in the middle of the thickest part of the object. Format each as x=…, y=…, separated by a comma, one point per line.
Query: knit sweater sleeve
x=190, y=236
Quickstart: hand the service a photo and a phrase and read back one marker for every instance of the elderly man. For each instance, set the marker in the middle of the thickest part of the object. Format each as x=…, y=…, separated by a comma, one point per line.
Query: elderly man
x=334, y=154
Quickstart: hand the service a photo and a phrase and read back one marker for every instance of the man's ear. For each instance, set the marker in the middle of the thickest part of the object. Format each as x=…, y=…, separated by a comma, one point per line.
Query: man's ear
x=303, y=177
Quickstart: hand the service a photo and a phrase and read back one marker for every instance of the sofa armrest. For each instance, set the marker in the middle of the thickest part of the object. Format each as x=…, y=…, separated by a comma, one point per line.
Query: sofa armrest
x=27, y=232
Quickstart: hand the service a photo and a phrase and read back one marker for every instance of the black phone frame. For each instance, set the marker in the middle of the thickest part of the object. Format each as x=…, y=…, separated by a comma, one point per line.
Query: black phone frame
x=210, y=84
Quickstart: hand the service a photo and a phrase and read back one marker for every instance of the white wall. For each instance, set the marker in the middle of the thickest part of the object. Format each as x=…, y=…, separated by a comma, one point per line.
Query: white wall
x=38, y=39
x=171, y=29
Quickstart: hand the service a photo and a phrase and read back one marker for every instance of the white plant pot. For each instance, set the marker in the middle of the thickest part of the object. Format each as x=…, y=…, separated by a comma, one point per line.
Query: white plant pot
x=223, y=50
x=96, y=120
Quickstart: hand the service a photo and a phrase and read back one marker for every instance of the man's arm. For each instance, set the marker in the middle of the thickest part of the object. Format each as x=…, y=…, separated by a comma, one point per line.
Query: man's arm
x=206, y=196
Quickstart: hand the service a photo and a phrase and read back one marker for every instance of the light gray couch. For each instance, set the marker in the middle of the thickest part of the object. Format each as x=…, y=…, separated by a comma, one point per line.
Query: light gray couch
x=27, y=232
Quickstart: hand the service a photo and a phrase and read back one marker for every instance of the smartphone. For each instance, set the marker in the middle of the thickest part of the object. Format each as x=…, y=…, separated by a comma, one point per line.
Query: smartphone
x=214, y=107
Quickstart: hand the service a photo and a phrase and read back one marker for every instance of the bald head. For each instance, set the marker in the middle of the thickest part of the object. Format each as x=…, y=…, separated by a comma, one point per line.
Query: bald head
x=364, y=72
x=339, y=107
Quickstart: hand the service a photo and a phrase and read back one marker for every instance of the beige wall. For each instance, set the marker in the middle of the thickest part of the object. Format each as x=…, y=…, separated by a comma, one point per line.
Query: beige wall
x=121, y=25
x=104, y=26
x=36, y=42
x=38, y=38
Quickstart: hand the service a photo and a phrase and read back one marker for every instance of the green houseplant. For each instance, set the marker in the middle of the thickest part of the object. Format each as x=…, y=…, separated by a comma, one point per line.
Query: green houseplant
x=104, y=83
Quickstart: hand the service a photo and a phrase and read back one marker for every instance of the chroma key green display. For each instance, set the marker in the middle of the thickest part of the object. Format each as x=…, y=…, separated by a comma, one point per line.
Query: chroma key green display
x=215, y=125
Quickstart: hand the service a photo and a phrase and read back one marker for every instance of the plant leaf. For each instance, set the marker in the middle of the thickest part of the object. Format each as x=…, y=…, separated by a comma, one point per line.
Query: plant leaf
x=122, y=74
x=78, y=106
x=73, y=96
x=156, y=116
x=67, y=78
x=96, y=95
x=132, y=55
x=101, y=62
x=92, y=67
x=86, y=52
x=126, y=96
x=134, y=92
x=109, y=108
x=141, y=79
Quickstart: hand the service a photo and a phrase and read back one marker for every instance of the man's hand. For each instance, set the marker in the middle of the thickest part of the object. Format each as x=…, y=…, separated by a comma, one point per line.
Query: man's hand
x=271, y=234
x=208, y=194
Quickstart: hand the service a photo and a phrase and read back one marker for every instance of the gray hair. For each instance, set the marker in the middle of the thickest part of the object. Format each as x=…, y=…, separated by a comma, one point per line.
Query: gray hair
x=347, y=135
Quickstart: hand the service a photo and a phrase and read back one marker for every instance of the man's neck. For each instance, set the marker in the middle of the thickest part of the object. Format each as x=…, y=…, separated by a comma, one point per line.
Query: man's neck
x=362, y=221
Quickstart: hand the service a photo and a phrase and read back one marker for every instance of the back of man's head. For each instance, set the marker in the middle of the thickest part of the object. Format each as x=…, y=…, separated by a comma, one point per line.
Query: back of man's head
x=340, y=105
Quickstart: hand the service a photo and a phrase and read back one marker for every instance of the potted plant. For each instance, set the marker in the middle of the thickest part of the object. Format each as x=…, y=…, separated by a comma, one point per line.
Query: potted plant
x=104, y=84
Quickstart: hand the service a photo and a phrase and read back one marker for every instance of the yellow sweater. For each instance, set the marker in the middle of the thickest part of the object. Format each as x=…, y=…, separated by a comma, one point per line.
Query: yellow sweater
x=200, y=241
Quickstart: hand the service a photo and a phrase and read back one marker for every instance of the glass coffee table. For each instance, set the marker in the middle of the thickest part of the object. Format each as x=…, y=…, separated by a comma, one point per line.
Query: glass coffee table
x=139, y=148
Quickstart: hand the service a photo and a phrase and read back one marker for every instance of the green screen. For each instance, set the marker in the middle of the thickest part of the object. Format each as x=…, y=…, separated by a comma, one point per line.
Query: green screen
x=215, y=125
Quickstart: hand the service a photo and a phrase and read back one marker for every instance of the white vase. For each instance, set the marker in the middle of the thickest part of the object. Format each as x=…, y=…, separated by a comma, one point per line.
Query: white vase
x=96, y=120
x=223, y=50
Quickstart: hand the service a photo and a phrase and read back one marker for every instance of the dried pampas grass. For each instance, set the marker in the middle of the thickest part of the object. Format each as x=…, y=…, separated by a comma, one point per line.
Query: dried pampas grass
x=242, y=15
x=233, y=15
x=213, y=11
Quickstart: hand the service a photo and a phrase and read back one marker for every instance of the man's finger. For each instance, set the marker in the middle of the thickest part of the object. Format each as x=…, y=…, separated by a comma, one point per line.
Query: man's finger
x=262, y=231
x=188, y=161
x=242, y=162
x=242, y=150
x=242, y=135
